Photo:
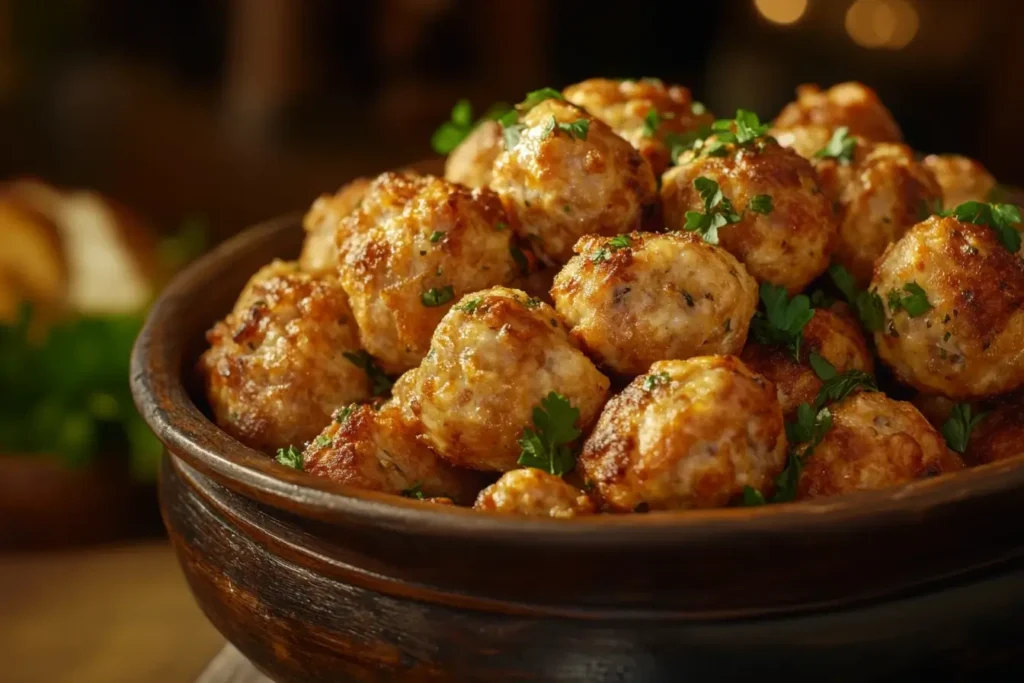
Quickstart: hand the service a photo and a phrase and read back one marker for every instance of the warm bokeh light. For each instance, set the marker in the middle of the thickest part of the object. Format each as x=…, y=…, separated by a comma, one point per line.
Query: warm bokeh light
x=890, y=24
x=781, y=11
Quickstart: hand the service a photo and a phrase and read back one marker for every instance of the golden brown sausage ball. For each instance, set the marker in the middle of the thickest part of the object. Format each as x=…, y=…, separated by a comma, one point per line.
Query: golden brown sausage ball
x=560, y=183
x=276, y=369
x=643, y=297
x=409, y=251
x=534, y=493
x=471, y=162
x=806, y=140
x=319, y=252
x=625, y=105
x=962, y=179
x=853, y=105
x=690, y=434
x=999, y=434
x=835, y=338
x=375, y=449
x=879, y=196
x=970, y=342
x=875, y=442
x=492, y=359
x=788, y=246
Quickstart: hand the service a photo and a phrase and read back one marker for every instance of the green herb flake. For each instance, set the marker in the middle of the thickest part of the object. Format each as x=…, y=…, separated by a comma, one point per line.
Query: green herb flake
x=380, y=383
x=532, y=302
x=577, y=129
x=341, y=415
x=415, y=491
x=783, y=320
x=290, y=457
x=957, y=429
x=762, y=204
x=545, y=446
x=651, y=123
x=436, y=236
x=469, y=305
x=501, y=226
x=822, y=368
x=654, y=380
x=535, y=97
x=1003, y=218
x=868, y=305
x=718, y=211
x=437, y=296
x=912, y=299
x=841, y=146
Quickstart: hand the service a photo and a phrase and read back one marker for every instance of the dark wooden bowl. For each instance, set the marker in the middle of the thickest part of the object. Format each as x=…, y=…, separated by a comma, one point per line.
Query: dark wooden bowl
x=317, y=582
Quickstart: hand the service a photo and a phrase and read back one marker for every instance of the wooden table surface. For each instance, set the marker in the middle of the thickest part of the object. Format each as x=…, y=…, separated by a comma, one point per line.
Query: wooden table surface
x=104, y=615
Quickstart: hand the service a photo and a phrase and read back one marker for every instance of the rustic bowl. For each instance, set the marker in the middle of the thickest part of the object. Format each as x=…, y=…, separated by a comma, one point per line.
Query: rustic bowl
x=318, y=582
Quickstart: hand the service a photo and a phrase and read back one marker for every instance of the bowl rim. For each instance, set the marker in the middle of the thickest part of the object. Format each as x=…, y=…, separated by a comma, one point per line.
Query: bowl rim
x=161, y=396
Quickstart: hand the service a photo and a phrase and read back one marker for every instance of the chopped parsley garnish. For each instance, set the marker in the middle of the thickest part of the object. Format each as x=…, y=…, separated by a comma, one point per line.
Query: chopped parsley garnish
x=957, y=429
x=532, y=302
x=535, y=97
x=651, y=123
x=512, y=133
x=577, y=129
x=546, y=444
x=437, y=296
x=415, y=491
x=501, y=225
x=512, y=129
x=322, y=441
x=783, y=320
x=841, y=146
x=614, y=244
x=451, y=133
x=469, y=305
x=290, y=457
x=718, y=211
x=912, y=299
x=1003, y=218
x=929, y=208
x=655, y=379
x=842, y=384
x=742, y=130
x=436, y=236
x=762, y=203
x=341, y=415
x=868, y=305
x=380, y=383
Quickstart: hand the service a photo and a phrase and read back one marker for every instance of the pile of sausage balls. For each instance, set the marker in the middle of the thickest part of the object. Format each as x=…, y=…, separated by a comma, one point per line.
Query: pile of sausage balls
x=615, y=302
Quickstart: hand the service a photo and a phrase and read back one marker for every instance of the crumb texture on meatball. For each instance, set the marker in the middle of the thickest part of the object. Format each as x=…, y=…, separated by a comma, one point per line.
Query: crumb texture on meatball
x=534, y=493
x=492, y=359
x=471, y=162
x=559, y=184
x=626, y=106
x=377, y=450
x=789, y=245
x=276, y=369
x=875, y=442
x=319, y=252
x=969, y=341
x=962, y=179
x=409, y=251
x=643, y=297
x=690, y=434
x=853, y=105
x=834, y=337
x=879, y=196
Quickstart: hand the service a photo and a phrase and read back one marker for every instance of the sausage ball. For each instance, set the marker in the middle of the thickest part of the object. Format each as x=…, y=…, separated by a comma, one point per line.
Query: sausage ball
x=319, y=252
x=690, y=434
x=276, y=368
x=375, y=449
x=967, y=339
x=635, y=299
x=806, y=140
x=409, y=251
x=471, y=162
x=534, y=493
x=834, y=337
x=962, y=179
x=853, y=105
x=569, y=175
x=879, y=196
x=787, y=242
x=626, y=106
x=874, y=442
x=492, y=359
x=999, y=434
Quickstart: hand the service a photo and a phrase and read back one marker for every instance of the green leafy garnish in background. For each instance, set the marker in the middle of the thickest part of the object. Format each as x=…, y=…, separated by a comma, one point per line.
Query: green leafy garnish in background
x=912, y=299
x=546, y=445
x=783, y=320
x=1003, y=218
x=290, y=457
x=957, y=429
x=451, y=133
x=868, y=305
x=841, y=146
x=718, y=211
x=380, y=383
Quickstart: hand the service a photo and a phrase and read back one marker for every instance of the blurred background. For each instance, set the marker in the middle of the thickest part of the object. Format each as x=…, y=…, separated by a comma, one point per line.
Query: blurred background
x=136, y=134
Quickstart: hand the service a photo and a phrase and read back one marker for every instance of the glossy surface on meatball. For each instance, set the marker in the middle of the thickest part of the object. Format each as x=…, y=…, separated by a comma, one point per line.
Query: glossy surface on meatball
x=790, y=245
x=409, y=251
x=970, y=342
x=835, y=338
x=654, y=297
x=558, y=186
x=319, y=252
x=690, y=434
x=375, y=449
x=492, y=359
x=879, y=197
x=626, y=106
x=472, y=161
x=875, y=442
x=852, y=104
x=534, y=493
x=275, y=369
x=962, y=179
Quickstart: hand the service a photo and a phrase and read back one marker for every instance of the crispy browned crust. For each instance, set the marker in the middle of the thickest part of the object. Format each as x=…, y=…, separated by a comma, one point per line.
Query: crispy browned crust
x=534, y=493
x=853, y=105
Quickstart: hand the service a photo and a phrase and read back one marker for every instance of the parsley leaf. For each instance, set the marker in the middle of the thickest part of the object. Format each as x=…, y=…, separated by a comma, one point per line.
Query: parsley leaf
x=957, y=429
x=436, y=236
x=546, y=445
x=577, y=129
x=822, y=368
x=868, y=305
x=614, y=244
x=655, y=379
x=451, y=133
x=290, y=457
x=1003, y=218
x=807, y=432
x=380, y=383
x=749, y=126
x=752, y=496
x=841, y=146
x=762, y=203
x=415, y=491
x=535, y=97
x=651, y=123
x=512, y=133
x=341, y=415
x=842, y=384
x=437, y=296
x=718, y=211
x=470, y=305
x=783, y=320
x=927, y=209
x=914, y=302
